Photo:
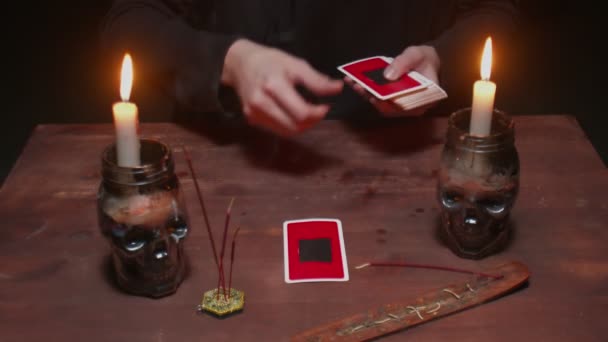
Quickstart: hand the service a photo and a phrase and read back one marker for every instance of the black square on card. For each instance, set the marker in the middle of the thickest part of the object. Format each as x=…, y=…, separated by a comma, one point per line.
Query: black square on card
x=315, y=250
x=377, y=75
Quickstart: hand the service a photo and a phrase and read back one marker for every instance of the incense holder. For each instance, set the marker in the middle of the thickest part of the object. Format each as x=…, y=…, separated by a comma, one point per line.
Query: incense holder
x=477, y=185
x=447, y=300
x=222, y=305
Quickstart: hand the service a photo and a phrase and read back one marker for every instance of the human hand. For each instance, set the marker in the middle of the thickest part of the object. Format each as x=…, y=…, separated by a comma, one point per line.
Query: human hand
x=265, y=80
x=421, y=58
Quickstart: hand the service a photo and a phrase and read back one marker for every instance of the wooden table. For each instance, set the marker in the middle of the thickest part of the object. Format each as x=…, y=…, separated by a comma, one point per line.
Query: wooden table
x=379, y=179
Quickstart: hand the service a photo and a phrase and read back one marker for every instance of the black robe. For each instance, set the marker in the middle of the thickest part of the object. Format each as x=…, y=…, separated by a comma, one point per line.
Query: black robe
x=181, y=44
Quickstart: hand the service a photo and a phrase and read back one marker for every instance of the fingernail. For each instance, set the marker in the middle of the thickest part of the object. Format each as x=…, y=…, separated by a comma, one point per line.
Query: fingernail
x=390, y=73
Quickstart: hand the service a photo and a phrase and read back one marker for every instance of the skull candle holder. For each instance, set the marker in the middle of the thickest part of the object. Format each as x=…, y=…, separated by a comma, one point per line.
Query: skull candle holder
x=477, y=186
x=141, y=214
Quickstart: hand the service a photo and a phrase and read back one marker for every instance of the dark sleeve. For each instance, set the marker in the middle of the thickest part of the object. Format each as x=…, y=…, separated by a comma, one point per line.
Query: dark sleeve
x=475, y=20
x=185, y=61
x=461, y=34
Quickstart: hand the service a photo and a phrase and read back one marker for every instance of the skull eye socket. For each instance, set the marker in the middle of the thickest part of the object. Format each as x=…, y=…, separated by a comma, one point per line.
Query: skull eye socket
x=494, y=206
x=134, y=245
x=136, y=239
x=178, y=228
x=451, y=198
x=180, y=233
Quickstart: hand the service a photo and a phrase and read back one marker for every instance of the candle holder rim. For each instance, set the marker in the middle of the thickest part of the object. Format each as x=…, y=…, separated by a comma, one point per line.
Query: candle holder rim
x=146, y=173
x=494, y=135
x=111, y=147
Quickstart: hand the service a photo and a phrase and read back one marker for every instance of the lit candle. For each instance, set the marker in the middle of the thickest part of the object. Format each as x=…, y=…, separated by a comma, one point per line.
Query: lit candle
x=125, y=120
x=483, y=96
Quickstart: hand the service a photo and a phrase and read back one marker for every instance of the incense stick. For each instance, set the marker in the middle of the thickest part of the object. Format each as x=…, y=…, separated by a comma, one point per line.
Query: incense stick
x=432, y=267
x=202, y=203
x=232, y=259
x=222, y=278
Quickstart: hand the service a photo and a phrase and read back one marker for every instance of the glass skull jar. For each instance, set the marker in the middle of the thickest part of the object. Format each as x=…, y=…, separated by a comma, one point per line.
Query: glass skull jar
x=477, y=186
x=141, y=213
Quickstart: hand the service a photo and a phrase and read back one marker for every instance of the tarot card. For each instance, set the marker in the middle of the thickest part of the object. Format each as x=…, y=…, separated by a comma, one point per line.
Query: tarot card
x=314, y=251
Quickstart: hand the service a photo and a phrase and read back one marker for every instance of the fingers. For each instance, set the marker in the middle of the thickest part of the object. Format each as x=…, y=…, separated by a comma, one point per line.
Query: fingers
x=429, y=72
x=267, y=85
x=292, y=103
x=315, y=81
x=421, y=110
x=278, y=107
x=282, y=90
x=261, y=110
x=386, y=108
x=358, y=88
x=408, y=60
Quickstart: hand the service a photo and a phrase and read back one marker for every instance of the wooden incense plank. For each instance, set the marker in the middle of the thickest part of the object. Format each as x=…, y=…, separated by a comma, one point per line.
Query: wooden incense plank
x=430, y=306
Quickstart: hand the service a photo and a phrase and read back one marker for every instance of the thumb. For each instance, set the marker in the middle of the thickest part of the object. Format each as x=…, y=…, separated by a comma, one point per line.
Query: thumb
x=403, y=63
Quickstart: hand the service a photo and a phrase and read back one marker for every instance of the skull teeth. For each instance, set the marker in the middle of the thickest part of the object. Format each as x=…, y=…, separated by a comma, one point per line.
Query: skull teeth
x=162, y=276
x=470, y=220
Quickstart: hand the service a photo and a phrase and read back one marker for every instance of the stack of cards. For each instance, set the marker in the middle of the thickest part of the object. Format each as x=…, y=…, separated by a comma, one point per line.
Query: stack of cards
x=408, y=92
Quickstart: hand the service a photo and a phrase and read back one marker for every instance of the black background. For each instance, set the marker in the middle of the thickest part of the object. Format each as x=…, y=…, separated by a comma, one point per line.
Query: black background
x=54, y=72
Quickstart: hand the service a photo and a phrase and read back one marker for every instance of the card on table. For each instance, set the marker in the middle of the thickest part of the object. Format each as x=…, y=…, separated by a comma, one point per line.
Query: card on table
x=314, y=251
x=410, y=91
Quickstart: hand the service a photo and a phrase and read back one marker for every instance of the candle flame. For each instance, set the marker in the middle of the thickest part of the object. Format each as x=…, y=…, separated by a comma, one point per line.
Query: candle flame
x=126, y=78
x=486, y=60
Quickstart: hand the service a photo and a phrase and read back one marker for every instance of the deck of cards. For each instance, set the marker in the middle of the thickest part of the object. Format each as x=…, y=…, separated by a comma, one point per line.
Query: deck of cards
x=411, y=91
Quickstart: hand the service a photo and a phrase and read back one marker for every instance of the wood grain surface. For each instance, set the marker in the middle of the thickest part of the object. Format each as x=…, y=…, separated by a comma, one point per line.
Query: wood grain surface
x=379, y=179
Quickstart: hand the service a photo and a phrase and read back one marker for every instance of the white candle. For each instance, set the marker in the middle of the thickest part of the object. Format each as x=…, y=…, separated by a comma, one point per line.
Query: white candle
x=483, y=96
x=125, y=120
